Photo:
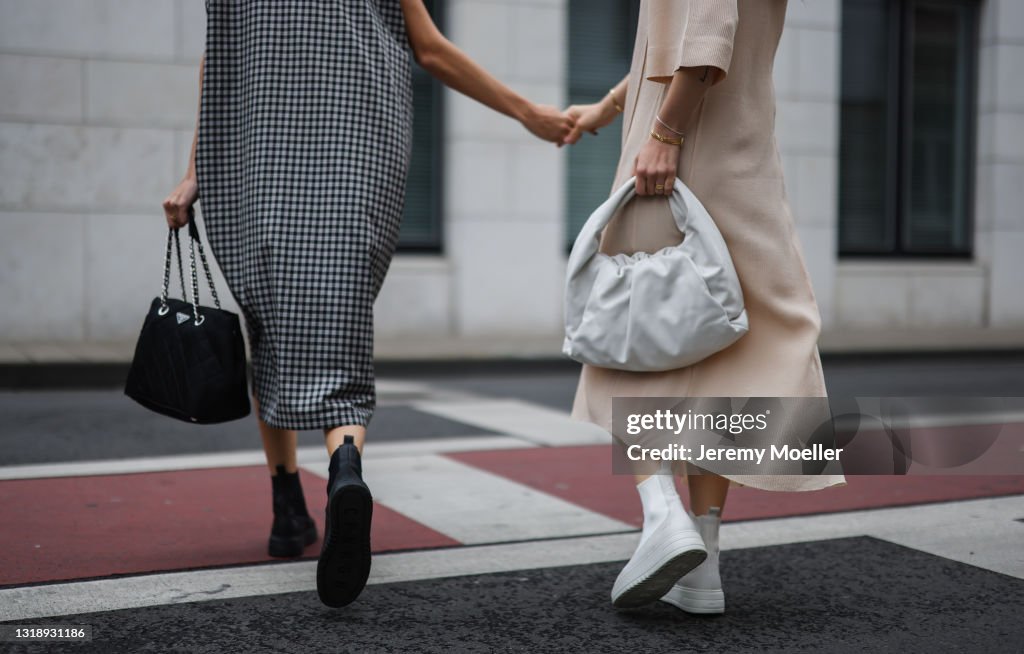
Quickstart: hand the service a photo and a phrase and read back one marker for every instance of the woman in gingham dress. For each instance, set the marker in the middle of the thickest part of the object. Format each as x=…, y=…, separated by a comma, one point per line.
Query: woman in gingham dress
x=300, y=159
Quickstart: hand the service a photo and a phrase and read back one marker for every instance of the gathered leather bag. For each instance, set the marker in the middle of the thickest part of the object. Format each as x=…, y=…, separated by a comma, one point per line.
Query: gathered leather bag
x=189, y=360
x=651, y=312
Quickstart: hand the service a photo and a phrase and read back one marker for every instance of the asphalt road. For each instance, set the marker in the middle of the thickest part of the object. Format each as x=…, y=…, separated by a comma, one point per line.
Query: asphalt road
x=840, y=594
x=41, y=425
x=843, y=595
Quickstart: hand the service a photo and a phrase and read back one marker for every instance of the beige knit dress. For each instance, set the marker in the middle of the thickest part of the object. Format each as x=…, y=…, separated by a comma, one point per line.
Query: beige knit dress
x=730, y=161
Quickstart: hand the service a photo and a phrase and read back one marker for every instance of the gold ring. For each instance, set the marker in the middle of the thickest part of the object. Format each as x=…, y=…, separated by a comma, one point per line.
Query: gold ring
x=659, y=187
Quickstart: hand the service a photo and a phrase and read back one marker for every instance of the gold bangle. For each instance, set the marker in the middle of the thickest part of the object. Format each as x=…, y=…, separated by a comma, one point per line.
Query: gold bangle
x=663, y=139
x=615, y=104
x=668, y=127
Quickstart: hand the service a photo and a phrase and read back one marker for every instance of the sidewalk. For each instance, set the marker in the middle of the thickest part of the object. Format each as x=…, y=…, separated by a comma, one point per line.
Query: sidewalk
x=497, y=527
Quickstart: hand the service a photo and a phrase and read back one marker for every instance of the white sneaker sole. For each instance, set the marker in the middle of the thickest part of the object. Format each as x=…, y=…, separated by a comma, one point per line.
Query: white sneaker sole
x=696, y=600
x=651, y=577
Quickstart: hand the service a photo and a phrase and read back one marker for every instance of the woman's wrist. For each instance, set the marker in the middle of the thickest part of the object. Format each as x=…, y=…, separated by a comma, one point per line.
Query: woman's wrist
x=612, y=97
x=613, y=104
x=664, y=132
x=669, y=139
x=671, y=130
x=609, y=111
x=523, y=110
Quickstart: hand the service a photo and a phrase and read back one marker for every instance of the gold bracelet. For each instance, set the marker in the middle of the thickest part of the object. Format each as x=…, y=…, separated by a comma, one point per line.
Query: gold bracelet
x=668, y=127
x=615, y=104
x=663, y=139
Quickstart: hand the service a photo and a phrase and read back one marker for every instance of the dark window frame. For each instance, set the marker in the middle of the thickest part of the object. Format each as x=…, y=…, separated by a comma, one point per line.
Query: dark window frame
x=627, y=19
x=899, y=137
x=435, y=245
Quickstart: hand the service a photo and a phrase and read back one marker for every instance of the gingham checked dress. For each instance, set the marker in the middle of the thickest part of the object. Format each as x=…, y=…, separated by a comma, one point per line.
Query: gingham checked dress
x=305, y=126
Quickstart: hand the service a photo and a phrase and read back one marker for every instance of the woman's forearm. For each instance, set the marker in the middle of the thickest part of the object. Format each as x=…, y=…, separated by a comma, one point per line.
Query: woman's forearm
x=618, y=93
x=452, y=67
x=685, y=93
x=439, y=56
x=657, y=161
x=191, y=172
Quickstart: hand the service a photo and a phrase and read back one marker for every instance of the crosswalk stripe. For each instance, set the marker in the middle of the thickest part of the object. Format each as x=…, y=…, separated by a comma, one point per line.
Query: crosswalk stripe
x=313, y=455
x=474, y=506
x=229, y=583
x=539, y=424
x=902, y=525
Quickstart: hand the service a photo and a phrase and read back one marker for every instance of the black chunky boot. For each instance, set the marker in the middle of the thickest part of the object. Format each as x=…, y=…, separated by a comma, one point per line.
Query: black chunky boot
x=293, y=528
x=344, y=563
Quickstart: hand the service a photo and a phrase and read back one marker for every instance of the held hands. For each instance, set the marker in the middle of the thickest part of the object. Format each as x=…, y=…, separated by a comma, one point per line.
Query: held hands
x=590, y=118
x=176, y=204
x=567, y=127
x=655, y=165
x=548, y=123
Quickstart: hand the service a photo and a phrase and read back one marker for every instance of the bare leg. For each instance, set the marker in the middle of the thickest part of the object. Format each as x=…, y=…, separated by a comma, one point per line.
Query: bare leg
x=335, y=436
x=278, y=444
x=706, y=490
x=293, y=529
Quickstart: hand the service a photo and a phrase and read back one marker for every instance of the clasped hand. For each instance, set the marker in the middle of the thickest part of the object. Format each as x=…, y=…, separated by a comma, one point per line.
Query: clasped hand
x=655, y=165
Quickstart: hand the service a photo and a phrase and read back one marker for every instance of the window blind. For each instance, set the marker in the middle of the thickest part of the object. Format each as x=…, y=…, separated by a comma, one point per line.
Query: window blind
x=421, y=220
x=906, y=127
x=601, y=35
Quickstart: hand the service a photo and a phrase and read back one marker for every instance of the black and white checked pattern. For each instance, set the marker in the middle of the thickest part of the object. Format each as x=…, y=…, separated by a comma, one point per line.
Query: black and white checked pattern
x=304, y=136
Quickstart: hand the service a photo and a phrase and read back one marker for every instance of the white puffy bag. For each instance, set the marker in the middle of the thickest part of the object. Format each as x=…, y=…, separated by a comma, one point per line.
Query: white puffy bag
x=649, y=312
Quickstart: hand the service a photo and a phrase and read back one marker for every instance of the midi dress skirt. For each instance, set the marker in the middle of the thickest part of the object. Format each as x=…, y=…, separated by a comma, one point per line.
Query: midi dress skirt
x=730, y=160
x=302, y=152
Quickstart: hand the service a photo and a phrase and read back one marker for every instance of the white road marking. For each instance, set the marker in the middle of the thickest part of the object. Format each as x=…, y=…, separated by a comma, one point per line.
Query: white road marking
x=372, y=451
x=989, y=520
x=397, y=388
x=311, y=456
x=979, y=532
x=539, y=424
x=474, y=506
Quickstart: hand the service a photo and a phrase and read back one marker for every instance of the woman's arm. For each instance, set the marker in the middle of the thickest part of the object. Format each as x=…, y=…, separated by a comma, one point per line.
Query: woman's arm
x=184, y=195
x=656, y=163
x=592, y=117
x=442, y=59
x=689, y=47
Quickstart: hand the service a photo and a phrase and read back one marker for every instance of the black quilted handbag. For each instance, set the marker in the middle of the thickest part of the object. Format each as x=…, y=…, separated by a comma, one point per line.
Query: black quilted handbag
x=189, y=360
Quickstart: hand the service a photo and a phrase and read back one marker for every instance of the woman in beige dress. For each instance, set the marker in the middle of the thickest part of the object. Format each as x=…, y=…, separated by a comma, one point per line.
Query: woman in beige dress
x=699, y=104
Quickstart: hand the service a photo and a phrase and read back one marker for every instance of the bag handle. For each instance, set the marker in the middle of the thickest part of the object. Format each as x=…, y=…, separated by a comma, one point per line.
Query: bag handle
x=589, y=239
x=193, y=232
x=194, y=239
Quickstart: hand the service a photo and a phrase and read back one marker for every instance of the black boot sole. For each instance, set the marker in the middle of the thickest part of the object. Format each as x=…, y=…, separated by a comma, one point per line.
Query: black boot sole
x=344, y=564
x=284, y=547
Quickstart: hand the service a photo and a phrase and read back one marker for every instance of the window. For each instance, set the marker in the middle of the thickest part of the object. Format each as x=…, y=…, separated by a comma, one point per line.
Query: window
x=421, y=222
x=601, y=35
x=906, y=128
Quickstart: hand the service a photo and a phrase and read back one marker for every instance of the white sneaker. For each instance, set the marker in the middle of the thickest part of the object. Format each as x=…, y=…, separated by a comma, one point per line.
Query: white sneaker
x=700, y=590
x=670, y=546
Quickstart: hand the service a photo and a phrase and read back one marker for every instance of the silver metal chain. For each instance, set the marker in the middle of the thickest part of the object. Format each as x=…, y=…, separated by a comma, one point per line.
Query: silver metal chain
x=172, y=234
x=209, y=276
x=167, y=274
x=164, y=308
x=181, y=268
x=195, y=279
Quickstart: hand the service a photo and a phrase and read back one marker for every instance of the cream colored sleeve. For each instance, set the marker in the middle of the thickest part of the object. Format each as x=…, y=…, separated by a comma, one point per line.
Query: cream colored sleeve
x=686, y=33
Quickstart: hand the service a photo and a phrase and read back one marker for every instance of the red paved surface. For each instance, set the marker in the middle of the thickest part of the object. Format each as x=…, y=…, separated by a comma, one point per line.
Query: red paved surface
x=582, y=475
x=80, y=527
x=77, y=527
